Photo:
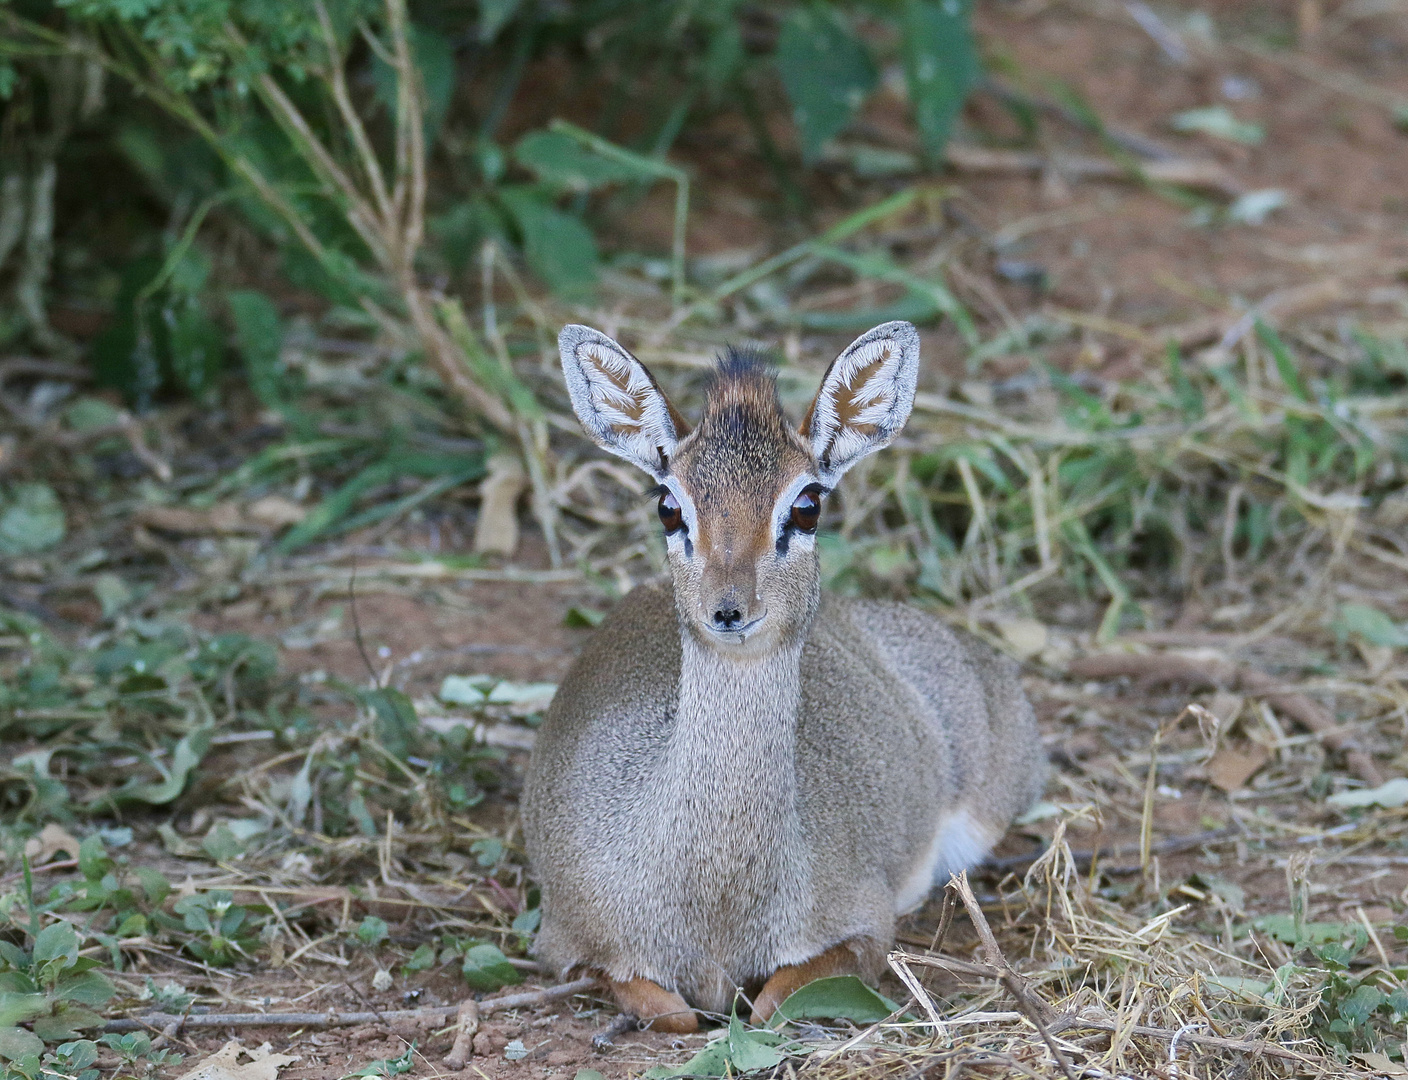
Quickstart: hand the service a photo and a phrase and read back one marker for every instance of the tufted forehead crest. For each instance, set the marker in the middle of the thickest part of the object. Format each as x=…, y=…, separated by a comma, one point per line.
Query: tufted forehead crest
x=743, y=394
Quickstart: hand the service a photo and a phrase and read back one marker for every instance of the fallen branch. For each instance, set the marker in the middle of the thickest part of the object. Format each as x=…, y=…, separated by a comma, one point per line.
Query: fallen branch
x=466, y=1024
x=331, y=1019
x=1183, y=172
x=1149, y=669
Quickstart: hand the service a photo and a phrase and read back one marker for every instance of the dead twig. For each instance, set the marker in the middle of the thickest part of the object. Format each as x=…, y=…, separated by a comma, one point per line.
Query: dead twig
x=1153, y=668
x=466, y=1024
x=1183, y=172
x=331, y=1019
x=1245, y=1046
x=1033, y=1005
x=606, y=1037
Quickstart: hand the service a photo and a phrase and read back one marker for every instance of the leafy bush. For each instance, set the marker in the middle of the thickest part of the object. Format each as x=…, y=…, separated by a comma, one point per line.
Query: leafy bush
x=314, y=125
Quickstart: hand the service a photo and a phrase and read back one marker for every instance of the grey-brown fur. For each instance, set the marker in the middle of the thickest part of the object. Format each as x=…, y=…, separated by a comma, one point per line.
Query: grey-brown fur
x=701, y=813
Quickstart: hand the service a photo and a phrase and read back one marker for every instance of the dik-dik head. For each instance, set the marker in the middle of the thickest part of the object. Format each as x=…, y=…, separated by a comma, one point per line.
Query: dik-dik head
x=740, y=496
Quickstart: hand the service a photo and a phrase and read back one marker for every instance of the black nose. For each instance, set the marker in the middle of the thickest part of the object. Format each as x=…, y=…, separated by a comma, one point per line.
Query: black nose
x=727, y=618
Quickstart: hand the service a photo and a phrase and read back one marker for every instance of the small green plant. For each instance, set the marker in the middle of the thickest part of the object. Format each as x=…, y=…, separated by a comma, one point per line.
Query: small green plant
x=134, y=1049
x=1361, y=1005
x=68, y=1061
x=222, y=931
x=483, y=965
x=387, y=1066
x=1362, y=1011
x=169, y=997
x=372, y=931
x=737, y=1050
x=45, y=983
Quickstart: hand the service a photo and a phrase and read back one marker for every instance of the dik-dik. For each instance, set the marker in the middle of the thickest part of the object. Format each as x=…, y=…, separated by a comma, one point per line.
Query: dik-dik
x=744, y=780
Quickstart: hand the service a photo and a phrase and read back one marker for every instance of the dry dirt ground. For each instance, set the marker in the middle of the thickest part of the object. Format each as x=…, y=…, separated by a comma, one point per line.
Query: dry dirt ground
x=1120, y=259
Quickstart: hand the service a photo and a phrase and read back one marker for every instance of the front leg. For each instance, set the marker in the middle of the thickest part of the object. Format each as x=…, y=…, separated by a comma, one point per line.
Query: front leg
x=655, y=1007
x=837, y=960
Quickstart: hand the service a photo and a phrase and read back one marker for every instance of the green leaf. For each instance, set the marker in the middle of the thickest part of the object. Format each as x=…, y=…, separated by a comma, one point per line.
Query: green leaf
x=751, y=1050
x=477, y=690
x=1370, y=624
x=57, y=941
x=89, y=988
x=1285, y=365
x=422, y=959
x=940, y=66
x=583, y=618
x=560, y=248
x=68, y=1022
x=184, y=759
x=196, y=346
x=15, y=1008
x=712, y=1061
x=221, y=843
x=1219, y=122
x=486, y=968
x=16, y=1042
x=493, y=14
x=526, y=921
x=1360, y=1005
x=91, y=414
x=387, y=1066
x=434, y=57
x=93, y=858
x=154, y=884
x=488, y=850
x=1242, y=987
x=259, y=336
x=1283, y=928
x=564, y=162
x=1390, y=795
x=826, y=71
x=31, y=520
x=78, y=1055
x=839, y=997
x=372, y=931
x=396, y=723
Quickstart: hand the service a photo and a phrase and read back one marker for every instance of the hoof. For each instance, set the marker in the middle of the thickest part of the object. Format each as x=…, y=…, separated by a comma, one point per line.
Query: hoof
x=656, y=1008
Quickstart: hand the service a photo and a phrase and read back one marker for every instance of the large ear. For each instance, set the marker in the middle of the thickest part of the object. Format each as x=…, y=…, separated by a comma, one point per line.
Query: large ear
x=865, y=398
x=618, y=401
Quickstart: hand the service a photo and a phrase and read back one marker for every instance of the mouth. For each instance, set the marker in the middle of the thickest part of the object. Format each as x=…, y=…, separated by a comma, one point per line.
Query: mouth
x=737, y=634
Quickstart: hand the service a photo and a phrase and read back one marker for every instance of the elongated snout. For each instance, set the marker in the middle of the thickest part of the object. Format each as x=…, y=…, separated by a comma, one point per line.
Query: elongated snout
x=728, y=594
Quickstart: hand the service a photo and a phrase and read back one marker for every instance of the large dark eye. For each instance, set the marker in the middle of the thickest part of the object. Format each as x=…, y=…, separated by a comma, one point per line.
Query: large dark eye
x=806, y=509
x=670, y=516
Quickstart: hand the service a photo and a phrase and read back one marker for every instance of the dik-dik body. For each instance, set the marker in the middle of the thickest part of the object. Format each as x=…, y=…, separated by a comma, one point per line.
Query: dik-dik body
x=743, y=781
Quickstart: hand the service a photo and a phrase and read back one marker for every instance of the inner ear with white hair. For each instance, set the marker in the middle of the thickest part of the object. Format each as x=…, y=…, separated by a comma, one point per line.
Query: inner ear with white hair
x=618, y=401
x=864, y=399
